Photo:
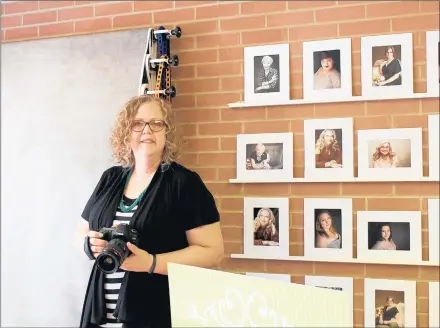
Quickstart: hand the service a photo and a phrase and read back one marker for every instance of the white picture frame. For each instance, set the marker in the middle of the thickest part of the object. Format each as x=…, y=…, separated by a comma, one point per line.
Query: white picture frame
x=278, y=148
x=373, y=51
x=340, y=213
x=404, y=229
x=404, y=143
x=432, y=62
x=316, y=56
x=434, y=145
x=433, y=304
x=346, y=283
x=315, y=133
x=377, y=289
x=277, y=56
x=273, y=276
x=433, y=229
x=252, y=207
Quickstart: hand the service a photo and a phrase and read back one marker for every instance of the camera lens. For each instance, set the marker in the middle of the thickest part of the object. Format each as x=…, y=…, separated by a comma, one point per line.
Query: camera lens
x=112, y=256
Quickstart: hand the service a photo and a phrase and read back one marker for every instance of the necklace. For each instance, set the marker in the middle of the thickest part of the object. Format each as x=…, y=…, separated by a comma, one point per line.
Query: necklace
x=126, y=209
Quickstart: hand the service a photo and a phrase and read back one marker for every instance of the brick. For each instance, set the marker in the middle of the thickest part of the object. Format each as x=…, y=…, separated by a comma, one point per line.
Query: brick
x=11, y=21
x=298, y=142
x=198, y=115
x=290, y=267
x=231, y=219
x=430, y=105
x=80, y=3
x=232, y=204
x=395, y=271
x=54, y=4
x=340, y=14
x=93, y=25
x=221, y=10
x=296, y=204
x=416, y=188
x=262, y=7
x=290, y=19
x=192, y=3
x=340, y=269
x=310, y=4
x=188, y=130
x=234, y=114
x=184, y=101
x=201, y=145
x=410, y=121
x=262, y=189
x=372, y=122
x=207, y=174
x=75, y=13
x=429, y=273
x=220, y=128
x=397, y=8
x=175, y=16
x=429, y=6
x=19, y=7
x=296, y=220
x=264, y=37
x=358, y=204
x=198, y=56
x=232, y=84
x=229, y=54
x=217, y=100
x=56, y=29
x=113, y=8
x=415, y=23
x=132, y=20
x=340, y=110
x=362, y=28
x=393, y=204
x=220, y=40
x=232, y=248
x=182, y=44
x=422, y=320
x=242, y=23
x=392, y=107
x=234, y=234
x=39, y=18
x=199, y=85
x=152, y=5
x=315, y=32
x=226, y=173
x=201, y=28
x=367, y=188
x=188, y=160
x=220, y=69
x=217, y=159
x=266, y=127
x=21, y=33
x=422, y=289
x=238, y=265
x=310, y=189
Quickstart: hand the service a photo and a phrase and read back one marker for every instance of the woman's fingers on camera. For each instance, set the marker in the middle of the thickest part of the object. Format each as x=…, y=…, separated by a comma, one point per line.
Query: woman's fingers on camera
x=97, y=242
x=94, y=234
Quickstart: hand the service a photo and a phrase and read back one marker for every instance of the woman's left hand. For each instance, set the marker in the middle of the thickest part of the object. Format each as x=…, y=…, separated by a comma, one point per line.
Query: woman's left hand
x=138, y=261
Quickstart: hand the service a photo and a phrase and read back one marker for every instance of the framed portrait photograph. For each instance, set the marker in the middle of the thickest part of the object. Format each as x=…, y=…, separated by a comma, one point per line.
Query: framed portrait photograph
x=434, y=304
x=266, y=227
x=390, y=303
x=434, y=145
x=387, y=65
x=266, y=73
x=328, y=228
x=433, y=62
x=343, y=284
x=388, y=236
x=390, y=154
x=328, y=147
x=327, y=69
x=434, y=230
x=272, y=276
x=265, y=157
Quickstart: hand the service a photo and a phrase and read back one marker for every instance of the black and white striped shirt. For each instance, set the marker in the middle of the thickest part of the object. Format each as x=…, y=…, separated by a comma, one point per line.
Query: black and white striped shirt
x=112, y=282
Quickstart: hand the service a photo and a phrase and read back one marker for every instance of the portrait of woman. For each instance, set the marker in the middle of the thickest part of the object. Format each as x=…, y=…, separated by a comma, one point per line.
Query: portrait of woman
x=327, y=76
x=326, y=234
x=389, y=315
x=265, y=231
x=384, y=157
x=266, y=70
x=387, y=71
x=169, y=206
x=384, y=239
x=328, y=153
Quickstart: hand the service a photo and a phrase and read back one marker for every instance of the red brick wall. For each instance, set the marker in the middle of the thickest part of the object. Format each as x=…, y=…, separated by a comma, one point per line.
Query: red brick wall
x=211, y=75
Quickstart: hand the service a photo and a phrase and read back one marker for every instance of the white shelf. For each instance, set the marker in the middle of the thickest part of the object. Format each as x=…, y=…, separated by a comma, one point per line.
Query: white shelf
x=354, y=179
x=242, y=104
x=308, y=259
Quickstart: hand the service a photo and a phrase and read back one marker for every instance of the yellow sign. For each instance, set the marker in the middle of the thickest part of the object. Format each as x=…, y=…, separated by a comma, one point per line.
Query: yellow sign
x=210, y=298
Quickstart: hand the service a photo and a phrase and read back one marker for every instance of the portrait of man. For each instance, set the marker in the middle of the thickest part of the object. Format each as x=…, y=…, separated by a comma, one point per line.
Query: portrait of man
x=389, y=236
x=266, y=73
x=389, y=309
x=264, y=156
x=390, y=153
x=328, y=227
x=387, y=66
x=266, y=225
x=327, y=69
x=328, y=148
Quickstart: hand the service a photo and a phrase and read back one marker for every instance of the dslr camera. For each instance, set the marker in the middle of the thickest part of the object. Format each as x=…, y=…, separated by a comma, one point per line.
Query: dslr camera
x=116, y=251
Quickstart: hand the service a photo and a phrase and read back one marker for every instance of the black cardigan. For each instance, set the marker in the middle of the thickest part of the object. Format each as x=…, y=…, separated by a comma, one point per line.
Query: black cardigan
x=176, y=200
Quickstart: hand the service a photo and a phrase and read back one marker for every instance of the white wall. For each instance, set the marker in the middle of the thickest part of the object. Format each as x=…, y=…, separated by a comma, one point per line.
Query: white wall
x=59, y=101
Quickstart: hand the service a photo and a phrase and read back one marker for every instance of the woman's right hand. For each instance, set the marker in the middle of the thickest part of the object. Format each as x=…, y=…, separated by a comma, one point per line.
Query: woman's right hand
x=96, y=243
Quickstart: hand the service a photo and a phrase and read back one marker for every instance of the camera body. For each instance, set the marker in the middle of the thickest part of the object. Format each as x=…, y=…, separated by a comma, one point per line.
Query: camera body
x=116, y=251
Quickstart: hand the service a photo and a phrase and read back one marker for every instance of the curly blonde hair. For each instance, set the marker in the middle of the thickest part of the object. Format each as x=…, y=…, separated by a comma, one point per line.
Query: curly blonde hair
x=121, y=134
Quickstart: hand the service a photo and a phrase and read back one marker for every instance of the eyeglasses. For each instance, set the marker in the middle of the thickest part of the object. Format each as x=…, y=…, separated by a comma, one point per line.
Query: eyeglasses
x=154, y=125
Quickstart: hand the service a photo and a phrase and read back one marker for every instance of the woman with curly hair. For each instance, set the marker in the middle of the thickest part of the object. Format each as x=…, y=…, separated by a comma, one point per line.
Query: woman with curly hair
x=384, y=157
x=265, y=232
x=168, y=205
x=328, y=154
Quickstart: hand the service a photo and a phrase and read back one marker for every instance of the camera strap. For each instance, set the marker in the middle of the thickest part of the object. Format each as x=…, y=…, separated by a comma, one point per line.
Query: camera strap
x=87, y=248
